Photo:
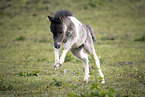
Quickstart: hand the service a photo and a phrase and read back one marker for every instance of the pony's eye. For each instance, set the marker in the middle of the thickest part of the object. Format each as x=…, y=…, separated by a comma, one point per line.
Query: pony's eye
x=60, y=32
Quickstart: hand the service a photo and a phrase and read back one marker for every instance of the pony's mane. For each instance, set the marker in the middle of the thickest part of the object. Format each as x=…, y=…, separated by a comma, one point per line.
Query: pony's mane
x=62, y=13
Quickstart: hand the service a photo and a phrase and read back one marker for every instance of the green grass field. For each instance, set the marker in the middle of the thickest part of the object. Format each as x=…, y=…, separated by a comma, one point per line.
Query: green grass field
x=27, y=57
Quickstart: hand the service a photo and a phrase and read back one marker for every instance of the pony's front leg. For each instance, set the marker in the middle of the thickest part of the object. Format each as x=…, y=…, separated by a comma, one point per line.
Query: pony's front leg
x=56, y=52
x=62, y=58
x=66, y=48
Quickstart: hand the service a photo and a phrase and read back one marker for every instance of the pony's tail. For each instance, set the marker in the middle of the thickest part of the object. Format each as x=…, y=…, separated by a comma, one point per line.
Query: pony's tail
x=91, y=31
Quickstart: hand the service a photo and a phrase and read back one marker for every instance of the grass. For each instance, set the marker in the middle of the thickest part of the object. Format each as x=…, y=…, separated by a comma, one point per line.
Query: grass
x=26, y=48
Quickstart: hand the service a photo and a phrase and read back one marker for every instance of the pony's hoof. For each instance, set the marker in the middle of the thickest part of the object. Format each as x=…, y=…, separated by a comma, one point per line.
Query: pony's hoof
x=102, y=81
x=56, y=68
x=86, y=80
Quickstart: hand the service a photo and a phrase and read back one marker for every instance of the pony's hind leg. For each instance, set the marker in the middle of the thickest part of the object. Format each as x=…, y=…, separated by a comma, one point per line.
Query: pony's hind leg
x=97, y=63
x=89, y=48
x=78, y=52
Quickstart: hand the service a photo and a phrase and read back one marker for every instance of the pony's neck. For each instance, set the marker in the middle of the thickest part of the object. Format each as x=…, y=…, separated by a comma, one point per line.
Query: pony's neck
x=67, y=23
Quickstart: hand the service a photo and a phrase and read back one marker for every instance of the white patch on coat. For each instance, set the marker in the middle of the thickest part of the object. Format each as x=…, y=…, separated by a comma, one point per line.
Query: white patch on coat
x=81, y=37
x=76, y=22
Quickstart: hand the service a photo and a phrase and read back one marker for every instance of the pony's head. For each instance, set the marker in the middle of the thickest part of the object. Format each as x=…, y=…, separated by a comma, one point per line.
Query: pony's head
x=58, y=26
x=58, y=30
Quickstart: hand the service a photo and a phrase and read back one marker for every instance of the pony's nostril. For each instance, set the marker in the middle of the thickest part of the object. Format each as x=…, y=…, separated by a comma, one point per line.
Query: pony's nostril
x=57, y=46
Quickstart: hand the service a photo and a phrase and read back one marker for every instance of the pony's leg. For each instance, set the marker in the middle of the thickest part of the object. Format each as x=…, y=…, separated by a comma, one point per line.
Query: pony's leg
x=89, y=48
x=62, y=58
x=66, y=48
x=97, y=63
x=56, y=53
x=78, y=52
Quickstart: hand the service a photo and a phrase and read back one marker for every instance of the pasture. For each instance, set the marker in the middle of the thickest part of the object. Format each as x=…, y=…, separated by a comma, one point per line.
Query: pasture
x=27, y=56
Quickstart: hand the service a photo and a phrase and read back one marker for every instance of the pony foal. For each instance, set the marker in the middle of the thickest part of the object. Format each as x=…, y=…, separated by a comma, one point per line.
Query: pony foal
x=76, y=37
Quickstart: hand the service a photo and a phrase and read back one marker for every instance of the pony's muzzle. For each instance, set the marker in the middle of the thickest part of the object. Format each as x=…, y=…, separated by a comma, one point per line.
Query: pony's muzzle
x=57, y=46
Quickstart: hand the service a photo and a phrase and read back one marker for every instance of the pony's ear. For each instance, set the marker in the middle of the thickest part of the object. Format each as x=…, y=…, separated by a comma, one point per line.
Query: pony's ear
x=49, y=18
x=60, y=19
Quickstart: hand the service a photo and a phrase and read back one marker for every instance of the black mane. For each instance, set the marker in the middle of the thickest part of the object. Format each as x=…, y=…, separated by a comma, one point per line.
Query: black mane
x=62, y=13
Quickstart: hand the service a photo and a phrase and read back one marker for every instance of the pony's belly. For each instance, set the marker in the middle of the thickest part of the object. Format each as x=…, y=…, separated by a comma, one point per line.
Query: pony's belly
x=75, y=45
x=78, y=44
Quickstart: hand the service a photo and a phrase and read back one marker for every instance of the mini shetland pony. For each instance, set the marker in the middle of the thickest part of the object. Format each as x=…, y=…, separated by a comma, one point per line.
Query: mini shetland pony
x=76, y=38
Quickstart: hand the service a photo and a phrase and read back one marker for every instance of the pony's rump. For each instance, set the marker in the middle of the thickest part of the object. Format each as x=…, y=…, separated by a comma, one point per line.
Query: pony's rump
x=91, y=31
